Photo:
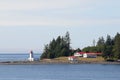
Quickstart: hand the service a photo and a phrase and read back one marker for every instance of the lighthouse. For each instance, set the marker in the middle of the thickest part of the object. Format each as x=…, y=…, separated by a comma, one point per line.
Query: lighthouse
x=31, y=58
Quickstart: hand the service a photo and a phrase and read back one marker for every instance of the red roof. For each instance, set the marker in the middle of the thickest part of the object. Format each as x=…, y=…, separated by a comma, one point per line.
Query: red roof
x=89, y=53
x=81, y=52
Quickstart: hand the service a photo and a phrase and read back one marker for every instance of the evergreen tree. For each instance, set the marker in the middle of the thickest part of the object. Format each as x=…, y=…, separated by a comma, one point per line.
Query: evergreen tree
x=100, y=44
x=67, y=44
x=116, y=48
x=109, y=41
x=46, y=52
x=67, y=39
x=57, y=48
x=78, y=50
x=108, y=47
x=101, y=41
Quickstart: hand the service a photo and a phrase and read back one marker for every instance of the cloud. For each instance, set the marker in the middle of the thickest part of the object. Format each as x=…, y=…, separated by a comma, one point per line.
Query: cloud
x=45, y=21
x=16, y=12
x=41, y=4
x=51, y=13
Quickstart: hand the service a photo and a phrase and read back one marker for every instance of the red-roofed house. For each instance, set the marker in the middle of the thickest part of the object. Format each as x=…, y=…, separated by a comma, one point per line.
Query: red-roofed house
x=87, y=54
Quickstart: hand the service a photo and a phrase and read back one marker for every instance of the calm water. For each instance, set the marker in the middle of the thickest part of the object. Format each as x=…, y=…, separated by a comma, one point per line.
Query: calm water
x=60, y=72
x=56, y=71
x=16, y=57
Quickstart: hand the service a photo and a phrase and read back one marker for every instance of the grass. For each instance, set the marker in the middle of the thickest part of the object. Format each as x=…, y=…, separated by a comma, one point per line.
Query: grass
x=98, y=59
x=62, y=59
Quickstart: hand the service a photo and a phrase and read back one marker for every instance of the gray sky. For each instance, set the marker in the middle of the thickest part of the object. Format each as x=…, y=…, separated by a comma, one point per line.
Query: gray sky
x=30, y=24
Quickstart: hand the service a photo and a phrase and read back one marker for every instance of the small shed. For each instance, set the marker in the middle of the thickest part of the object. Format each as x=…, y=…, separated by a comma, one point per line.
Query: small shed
x=78, y=54
x=72, y=58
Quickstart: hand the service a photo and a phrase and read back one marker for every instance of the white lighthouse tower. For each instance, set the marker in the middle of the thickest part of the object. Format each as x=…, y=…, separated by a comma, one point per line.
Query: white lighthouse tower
x=31, y=58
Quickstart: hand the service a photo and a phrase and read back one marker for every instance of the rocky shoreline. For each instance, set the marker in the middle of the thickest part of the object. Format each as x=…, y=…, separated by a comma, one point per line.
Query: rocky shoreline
x=52, y=62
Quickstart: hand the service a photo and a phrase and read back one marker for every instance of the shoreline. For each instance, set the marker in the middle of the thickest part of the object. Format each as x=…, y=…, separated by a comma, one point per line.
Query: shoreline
x=52, y=62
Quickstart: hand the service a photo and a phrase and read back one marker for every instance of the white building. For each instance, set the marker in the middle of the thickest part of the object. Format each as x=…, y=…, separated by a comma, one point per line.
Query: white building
x=89, y=55
x=31, y=58
x=78, y=54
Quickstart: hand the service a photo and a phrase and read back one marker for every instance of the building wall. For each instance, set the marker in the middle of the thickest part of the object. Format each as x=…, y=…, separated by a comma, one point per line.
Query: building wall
x=77, y=54
x=89, y=55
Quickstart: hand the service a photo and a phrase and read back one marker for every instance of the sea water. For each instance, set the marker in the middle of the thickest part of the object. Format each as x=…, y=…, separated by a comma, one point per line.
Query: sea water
x=17, y=57
x=60, y=72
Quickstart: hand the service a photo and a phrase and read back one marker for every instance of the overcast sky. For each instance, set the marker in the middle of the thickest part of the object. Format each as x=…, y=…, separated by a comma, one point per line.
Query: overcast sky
x=30, y=24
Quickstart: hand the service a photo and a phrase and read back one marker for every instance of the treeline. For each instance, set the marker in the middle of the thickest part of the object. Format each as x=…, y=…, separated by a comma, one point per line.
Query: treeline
x=109, y=47
x=57, y=47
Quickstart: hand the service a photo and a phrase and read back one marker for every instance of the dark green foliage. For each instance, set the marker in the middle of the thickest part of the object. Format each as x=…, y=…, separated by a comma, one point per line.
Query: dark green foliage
x=57, y=48
x=100, y=44
x=116, y=48
x=78, y=50
x=107, y=52
x=109, y=47
x=90, y=49
x=98, y=48
x=109, y=41
x=101, y=41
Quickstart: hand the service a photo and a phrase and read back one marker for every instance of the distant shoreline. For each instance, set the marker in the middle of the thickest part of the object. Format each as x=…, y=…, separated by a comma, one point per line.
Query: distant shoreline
x=60, y=60
x=52, y=62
